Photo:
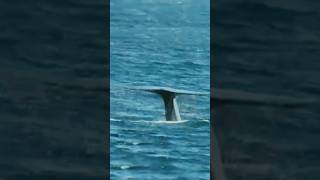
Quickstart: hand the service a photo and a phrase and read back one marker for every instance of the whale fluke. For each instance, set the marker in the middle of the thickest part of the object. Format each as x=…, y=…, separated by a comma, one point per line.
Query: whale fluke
x=169, y=96
x=170, y=103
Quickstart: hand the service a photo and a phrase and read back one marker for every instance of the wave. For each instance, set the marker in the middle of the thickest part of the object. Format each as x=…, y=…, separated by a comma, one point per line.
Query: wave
x=169, y=122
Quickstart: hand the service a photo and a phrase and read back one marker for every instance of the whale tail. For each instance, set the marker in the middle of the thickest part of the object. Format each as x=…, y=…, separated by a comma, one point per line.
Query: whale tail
x=170, y=103
x=169, y=96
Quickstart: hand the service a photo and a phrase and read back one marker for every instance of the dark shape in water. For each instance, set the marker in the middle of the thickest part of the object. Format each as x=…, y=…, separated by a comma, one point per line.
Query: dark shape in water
x=169, y=98
x=247, y=98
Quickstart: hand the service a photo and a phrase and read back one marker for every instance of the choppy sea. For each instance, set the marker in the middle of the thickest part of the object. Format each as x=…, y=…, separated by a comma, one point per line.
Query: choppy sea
x=166, y=44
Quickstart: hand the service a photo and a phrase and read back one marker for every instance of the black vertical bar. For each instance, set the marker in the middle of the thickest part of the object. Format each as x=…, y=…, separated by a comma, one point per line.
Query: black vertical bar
x=108, y=93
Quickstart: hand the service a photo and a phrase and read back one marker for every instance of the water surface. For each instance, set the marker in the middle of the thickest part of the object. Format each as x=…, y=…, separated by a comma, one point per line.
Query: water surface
x=159, y=43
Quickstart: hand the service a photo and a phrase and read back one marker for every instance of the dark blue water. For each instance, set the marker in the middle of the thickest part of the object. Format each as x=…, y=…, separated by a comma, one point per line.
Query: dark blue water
x=269, y=47
x=53, y=89
x=159, y=43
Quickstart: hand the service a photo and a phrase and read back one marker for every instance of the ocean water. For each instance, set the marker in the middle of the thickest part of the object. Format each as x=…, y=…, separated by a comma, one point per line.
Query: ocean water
x=267, y=47
x=159, y=43
x=53, y=89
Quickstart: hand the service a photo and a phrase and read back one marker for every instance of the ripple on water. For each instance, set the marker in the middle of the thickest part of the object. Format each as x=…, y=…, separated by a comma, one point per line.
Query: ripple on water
x=155, y=44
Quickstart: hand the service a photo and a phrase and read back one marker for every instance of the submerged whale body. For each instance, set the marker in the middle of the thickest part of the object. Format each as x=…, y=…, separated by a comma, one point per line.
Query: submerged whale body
x=249, y=98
